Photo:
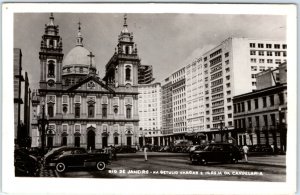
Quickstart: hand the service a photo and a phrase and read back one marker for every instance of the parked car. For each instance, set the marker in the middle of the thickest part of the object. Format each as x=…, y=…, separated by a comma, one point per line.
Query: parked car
x=125, y=149
x=26, y=165
x=78, y=157
x=217, y=152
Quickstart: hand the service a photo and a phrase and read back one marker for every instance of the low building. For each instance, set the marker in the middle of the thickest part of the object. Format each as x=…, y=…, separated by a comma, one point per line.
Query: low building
x=260, y=116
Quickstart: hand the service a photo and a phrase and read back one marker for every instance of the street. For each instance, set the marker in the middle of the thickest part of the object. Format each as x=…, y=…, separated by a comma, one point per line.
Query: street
x=170, y=166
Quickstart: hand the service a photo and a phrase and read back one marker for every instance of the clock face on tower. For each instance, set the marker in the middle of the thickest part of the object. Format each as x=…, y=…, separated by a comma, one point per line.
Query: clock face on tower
x=50, y=83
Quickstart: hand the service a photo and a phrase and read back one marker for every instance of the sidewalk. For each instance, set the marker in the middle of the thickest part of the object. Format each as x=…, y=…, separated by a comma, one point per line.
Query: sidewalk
x=268, y=160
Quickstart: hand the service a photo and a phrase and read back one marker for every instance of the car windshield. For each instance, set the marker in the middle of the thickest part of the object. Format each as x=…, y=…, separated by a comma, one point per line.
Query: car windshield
x=213, y=148
x=53, y=150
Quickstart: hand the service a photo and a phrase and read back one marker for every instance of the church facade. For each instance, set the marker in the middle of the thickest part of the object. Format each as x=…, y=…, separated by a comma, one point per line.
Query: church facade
x=83, y=110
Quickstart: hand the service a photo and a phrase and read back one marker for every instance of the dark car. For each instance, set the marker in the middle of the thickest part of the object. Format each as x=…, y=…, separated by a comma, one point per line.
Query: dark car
x=217, y=152
x=26, y=165
x=78, y=157
x=125, y=149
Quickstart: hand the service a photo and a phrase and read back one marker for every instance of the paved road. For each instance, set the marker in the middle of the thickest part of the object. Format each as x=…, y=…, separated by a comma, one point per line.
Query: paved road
x=265, y=168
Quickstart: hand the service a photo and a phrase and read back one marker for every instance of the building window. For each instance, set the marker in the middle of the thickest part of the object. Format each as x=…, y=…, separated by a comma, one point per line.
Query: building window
x=269, y=46
x=256, y=103
x=265, y=120
x=261, y=53
x=128, y=112
x=277, y=46
x=252, y=45
x=252, y=52
x=261, y=61
x=269, y=53
x=257, y=121
x=104, y=111
x=254, y=83
x=284, y=46
x=277, y=53
x=51, y=69
x=284, y=54
x=269, y=61
x=271, y=100
x=116, y=140
x=260, y=45
x=253, y=60
x=281, y=98
x=264, y=102
x=262, y=68
x=253, y=76
x=227, y=62
x=253, y=68
x=226, y=54
x=65, y=108
x=116, y=110
x=273, y=120
x=77, y=111
x=249, y=105
x=81, y=70
x=91, y=111
x=128, y=73
x=227, y=69
x=50, y=110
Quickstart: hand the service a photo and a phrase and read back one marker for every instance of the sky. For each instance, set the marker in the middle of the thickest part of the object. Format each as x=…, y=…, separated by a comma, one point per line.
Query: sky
x=165, y=41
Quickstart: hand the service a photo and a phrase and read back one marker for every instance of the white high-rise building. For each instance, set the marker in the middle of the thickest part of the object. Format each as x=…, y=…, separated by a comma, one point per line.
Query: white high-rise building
x=179, y=102
x=195, y=96
x=149, y=107
x=230, y=69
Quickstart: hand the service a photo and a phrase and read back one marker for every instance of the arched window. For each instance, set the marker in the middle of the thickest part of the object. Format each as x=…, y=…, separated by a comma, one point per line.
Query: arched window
x=128, y=112
x=91, y=110
x=127, y=50
x=51, y=43
x=128, y=73
x=51, y=69
x=50, y=110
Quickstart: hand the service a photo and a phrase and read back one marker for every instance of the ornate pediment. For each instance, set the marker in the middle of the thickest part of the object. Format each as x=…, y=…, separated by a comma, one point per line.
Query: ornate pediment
x=91, y=84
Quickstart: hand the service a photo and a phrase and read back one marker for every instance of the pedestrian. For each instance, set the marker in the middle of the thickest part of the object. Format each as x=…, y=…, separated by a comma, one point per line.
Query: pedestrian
x=273, y=148
x=245, y=149
x=145, y=153
x=114, y=153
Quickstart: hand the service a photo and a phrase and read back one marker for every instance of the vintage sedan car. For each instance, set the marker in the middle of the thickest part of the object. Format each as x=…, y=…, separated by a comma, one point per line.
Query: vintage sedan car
x=78, y=157
x=217, y=152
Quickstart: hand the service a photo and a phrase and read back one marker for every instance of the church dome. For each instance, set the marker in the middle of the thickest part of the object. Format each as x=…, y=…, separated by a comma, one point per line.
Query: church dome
x=78, y=56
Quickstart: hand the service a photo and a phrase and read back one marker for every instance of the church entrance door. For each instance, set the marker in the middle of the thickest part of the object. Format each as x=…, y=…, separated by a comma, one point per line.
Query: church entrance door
x=128, y=141
x=104, y=141
x=91, y=140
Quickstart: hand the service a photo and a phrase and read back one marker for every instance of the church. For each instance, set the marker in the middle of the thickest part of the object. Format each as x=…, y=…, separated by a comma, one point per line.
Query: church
x=83, y=110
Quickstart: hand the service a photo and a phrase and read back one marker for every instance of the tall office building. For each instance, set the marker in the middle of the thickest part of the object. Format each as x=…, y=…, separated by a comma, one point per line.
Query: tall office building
x=179, y=103
x=149, y=107
x=230, y=69
x=145, y=74
x=195, y=96
x=167, y=109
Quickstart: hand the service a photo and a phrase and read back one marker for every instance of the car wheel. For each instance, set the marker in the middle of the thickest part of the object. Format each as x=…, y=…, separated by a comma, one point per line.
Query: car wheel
x=60, y=167
x=203, y=161
x=100, y=166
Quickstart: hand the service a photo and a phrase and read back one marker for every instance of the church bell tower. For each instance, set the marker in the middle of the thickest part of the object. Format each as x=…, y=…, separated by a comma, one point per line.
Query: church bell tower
x=122, y=69
x=51, y=57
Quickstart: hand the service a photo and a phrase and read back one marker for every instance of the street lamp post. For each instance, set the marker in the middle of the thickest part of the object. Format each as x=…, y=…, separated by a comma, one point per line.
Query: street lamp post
x=43, y=124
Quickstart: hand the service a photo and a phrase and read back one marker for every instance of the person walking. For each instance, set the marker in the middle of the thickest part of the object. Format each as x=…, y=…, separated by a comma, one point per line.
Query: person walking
x=245, y=149
x=145, y=153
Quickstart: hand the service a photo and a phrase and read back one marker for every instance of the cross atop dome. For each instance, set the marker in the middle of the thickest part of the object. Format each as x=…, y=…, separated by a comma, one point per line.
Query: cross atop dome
x=79, y=36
